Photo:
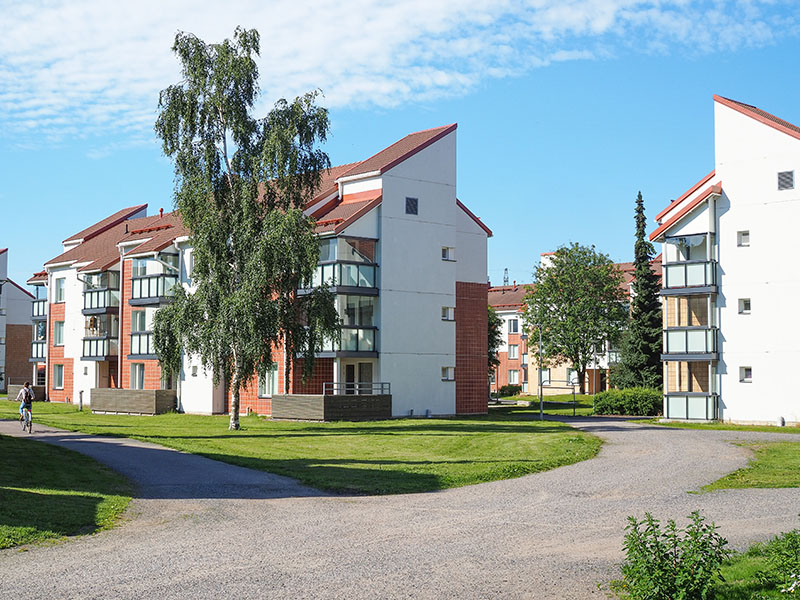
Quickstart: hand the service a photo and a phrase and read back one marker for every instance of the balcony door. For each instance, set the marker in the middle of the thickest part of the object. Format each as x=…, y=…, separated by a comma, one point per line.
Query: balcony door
x=364, y=371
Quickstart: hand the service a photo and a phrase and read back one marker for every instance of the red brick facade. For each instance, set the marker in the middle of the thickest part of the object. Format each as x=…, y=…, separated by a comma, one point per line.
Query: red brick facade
x=511, y=364
x=152, y=368
x=56, y=357
x=472, y=322
x=18, y=351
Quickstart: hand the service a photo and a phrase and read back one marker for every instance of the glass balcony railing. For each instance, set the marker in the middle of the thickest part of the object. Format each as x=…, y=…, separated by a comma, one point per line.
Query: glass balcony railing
x=344, y=274
x=142, y=343
x=691, y=405
x=39, y=309
x=153, y=286
x=353, y=340
x=39, y=350
x=690, y=340
x=98, y=299
x=690, y=274
x=100, y=347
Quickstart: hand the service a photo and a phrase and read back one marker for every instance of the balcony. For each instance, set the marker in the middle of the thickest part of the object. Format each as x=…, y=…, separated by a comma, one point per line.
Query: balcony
x=690, y=344
x=98, y=302
x=702, y=406
x=38, y=351
x=142, y=344
x=690, y=277
x=152, y=289
x=344, y=278
x=99, y=348
x=39, y=310
x=354, y=341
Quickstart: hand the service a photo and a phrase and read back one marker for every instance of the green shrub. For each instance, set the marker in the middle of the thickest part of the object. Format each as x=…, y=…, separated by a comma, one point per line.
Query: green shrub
x=643, y=402
x=783, y=559
x=671, y=564
x=510, y=390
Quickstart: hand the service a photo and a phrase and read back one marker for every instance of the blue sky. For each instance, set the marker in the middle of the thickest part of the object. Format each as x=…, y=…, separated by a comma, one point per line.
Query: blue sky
x=566, y=109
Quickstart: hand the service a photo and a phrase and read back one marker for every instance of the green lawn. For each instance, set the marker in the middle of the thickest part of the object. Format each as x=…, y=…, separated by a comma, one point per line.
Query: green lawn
x=553, y=405
x=741, y=582
x=382, y=457
x=774, y=465
x=48, y=492
x=728, y=426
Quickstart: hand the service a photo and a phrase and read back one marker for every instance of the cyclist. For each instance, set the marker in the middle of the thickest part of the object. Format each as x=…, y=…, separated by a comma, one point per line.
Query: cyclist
x=25, y=399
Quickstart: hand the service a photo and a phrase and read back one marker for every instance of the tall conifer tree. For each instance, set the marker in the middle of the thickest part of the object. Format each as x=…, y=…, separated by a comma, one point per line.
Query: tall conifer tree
x=640, y=364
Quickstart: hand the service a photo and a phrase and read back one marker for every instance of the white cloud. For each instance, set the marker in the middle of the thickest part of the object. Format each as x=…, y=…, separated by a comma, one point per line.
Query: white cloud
x=89, y=67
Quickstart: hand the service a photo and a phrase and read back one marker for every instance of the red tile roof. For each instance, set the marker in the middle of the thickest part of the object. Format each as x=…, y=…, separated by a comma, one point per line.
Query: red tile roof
x=345, y=213
x=714, y=189
x=629, y=272
x=400, y=151
x=761, y=116
x=156, y=232
x=37, y=277
x=507, y=296
x=328, y=185
x=107, y=223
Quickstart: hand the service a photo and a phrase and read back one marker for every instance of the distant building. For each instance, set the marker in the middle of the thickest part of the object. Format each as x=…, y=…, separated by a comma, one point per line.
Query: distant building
x=728, y=288
x=406, y=259
x=15, y=329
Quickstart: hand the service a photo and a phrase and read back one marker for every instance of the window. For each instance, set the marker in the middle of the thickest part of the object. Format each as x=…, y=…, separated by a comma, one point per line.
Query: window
x=545, y=376
x=513, y=326
x=524, y=358
x=572, y=377
x=513, y=352
x=58, y=333
x=744, y=306
x=138, y=267
x=412, y=206
x=138, y=321
x=448, y=373
x=268, y=386
x=743, y=238
x=513, y=377
x=448, y=253
x=2, y=341
x=786, y=180
x=58, y=377
x=745, y=374
x=60, y=283
x=137, y=376
x=2, y=312
x=448, y=313
x=491, y=378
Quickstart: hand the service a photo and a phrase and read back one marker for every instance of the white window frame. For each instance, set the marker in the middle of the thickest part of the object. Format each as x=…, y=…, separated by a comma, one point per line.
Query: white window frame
x=745, y=374
x=448, y=313
x=513, y=352
x=448, y=253
x=448, y=373
x=58, y=377
x=745, y=306
x=136, y=378
x=513, y=377
x=268, y=386
x=60, y=294
x=545, y=376
x=515, y=328
x=58, y=333
x=743, y=238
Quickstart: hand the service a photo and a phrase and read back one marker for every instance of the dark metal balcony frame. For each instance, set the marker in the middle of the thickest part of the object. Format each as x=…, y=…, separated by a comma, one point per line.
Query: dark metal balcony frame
x=99, y=358
x=687, y=356
x=153, y=300
x=37, y=359
x=102, y=310
x=710, y=280
x=339, y=353
x=152, y=356
x=43, y=314
x=687, y=395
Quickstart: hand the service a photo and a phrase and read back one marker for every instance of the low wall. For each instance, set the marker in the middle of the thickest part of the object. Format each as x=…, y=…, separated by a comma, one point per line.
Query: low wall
x=139, y=402
x=344, y=407
x=38, y=390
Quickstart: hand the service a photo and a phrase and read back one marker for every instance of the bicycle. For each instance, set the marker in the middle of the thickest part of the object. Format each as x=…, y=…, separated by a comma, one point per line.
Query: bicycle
x=27, y=420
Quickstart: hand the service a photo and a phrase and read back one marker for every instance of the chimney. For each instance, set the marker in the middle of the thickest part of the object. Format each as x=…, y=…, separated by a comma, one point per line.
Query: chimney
x=126, y=228
x=160, y=212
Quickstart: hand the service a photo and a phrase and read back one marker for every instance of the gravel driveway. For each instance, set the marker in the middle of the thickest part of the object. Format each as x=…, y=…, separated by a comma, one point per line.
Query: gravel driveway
x=201, y=529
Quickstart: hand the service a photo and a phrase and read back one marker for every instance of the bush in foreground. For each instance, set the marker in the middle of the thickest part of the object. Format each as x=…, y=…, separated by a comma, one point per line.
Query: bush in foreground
x=510, y=390
x=671, y=564
x=641, y=402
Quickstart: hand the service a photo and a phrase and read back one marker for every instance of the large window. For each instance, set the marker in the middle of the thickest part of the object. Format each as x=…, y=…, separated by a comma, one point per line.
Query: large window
x=105, y=280
x=60, y=284
x=138, y=321
x=513, y=377
x=513, y=326
x=357, y=311
x=268, y=386
x=58, y=333
x=58, y=377
x=102, y=326
x=137, y=376
x=513, y=352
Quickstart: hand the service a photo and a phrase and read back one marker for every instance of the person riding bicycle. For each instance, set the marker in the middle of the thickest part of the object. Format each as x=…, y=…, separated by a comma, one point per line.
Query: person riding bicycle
x=25, y=399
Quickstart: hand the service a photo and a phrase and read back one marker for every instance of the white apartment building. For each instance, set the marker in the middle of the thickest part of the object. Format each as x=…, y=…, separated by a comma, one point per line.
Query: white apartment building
x=728, y=290
x=406, y=259
x=15, y=328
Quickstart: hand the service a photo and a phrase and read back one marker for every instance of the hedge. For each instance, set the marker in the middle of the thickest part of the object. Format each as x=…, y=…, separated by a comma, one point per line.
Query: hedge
x=510, y=390
x=640, y=402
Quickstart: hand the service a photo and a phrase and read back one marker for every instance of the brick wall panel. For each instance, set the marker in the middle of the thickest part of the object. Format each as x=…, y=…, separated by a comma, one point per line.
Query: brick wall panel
x=472, y=387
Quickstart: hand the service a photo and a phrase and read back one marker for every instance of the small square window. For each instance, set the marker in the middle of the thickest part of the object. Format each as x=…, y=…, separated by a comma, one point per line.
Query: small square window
x=742, y=238
x=448, y=313
x=2, y=312
x=448, y=253
x=412, y=206
x=744, y=306
x=786, y=180
x=448, y=373
x=2, y=341
x=513, y=326
x=745, y=374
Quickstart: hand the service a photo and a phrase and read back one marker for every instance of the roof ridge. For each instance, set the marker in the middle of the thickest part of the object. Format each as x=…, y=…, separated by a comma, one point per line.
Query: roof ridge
x=760, y=115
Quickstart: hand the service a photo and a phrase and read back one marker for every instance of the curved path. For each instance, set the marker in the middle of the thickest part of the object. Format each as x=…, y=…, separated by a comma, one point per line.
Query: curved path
x=202, y=529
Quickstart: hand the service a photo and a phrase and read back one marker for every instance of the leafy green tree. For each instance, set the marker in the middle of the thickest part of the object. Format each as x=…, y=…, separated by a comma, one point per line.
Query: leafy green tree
x=240, y=187
x=640, y=353
x=577, y=301
x=495, y=339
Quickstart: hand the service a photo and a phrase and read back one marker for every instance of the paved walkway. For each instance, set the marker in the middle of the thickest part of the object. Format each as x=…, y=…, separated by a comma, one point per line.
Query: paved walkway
x=202, y=529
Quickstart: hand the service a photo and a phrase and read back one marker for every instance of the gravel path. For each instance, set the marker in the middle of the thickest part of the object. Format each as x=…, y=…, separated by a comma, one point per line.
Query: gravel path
x=202, y=529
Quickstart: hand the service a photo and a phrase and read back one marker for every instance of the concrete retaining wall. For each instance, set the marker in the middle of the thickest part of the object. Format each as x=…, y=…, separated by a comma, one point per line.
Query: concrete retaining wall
x=345, y=407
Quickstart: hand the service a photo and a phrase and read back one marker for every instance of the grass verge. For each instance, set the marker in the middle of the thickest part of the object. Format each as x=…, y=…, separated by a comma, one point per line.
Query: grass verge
x=728, y=427
x=48, y=492
x=774, y=465
x=381, y=457
x=560, y=405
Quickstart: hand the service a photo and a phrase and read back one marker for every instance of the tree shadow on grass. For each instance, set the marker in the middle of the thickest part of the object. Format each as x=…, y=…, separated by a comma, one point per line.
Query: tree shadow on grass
x=27, y=516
